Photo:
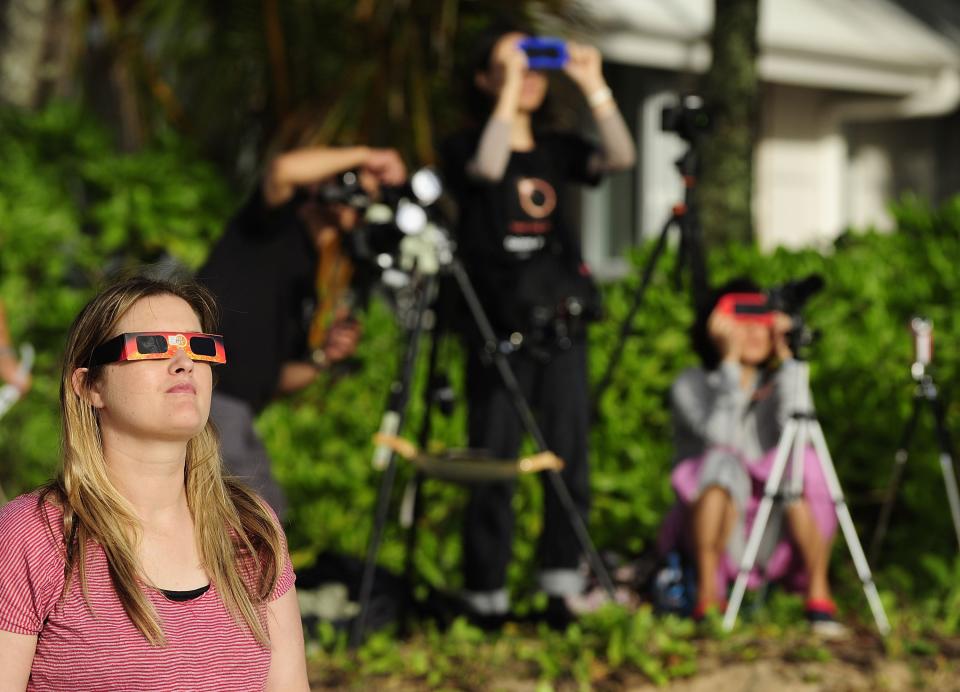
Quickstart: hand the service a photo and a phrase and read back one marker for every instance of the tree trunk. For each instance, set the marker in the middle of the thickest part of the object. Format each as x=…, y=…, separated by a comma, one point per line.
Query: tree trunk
x=731, y=91
x=25, y=25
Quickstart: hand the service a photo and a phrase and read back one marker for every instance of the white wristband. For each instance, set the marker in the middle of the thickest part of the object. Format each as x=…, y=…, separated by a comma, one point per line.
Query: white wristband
x=600, y=97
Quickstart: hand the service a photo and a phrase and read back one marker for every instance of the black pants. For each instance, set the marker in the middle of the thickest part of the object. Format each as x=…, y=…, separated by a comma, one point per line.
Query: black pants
x=557, y=391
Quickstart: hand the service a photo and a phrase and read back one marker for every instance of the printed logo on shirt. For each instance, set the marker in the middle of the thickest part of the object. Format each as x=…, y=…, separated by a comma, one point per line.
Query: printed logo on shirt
x=531, y=216
x=537, y=197
x=523, y=243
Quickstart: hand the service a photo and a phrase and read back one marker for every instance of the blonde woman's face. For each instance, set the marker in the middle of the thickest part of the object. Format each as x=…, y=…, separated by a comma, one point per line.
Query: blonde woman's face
x=155, y=399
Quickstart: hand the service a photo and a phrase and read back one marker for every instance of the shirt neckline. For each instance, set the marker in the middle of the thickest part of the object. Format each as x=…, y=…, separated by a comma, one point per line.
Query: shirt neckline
x=181, y=596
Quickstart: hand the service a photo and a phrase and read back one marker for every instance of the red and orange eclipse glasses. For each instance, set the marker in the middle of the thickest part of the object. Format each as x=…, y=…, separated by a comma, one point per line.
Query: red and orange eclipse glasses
x=746, y=307
x=207, y=348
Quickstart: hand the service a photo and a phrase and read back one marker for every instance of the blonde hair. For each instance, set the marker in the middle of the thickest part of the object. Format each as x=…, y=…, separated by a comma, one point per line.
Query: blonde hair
x=240, y=544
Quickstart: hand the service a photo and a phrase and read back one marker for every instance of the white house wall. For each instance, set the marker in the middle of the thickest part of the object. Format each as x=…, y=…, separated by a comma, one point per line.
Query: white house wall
x=799, y=170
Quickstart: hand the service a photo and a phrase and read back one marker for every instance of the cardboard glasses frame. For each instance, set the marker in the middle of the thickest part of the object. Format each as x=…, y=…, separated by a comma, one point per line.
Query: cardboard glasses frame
x=132, y=346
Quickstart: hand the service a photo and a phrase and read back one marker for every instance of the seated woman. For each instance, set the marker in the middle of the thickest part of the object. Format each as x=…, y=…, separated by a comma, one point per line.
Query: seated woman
x=728, y=416
x=141, y=566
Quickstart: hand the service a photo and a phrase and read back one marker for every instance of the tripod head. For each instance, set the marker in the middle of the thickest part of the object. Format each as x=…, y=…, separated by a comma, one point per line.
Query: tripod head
x=689, y=118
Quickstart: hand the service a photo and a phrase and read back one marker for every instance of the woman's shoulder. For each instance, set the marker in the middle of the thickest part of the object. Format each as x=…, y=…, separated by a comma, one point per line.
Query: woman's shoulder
x=29, y=513
x=31, y=529
x=691, y=376
x=31, y=562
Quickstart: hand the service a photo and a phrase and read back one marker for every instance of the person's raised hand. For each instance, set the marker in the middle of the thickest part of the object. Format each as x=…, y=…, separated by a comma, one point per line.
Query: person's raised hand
x=726, y=334
x=386, y=166
x=585, y=67
x=782, y=325
x=508, y=58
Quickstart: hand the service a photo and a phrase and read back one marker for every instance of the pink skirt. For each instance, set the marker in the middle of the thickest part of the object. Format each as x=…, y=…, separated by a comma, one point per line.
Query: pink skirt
x=784, y=562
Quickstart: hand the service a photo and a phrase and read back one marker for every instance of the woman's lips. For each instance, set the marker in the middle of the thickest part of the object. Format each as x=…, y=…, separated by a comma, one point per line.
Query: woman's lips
x=182, y=388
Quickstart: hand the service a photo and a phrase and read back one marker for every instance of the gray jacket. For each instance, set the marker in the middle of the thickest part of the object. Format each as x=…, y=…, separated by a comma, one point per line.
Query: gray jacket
x=711, y=410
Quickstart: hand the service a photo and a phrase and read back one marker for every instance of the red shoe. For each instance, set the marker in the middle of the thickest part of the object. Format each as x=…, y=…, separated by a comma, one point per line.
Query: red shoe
x=821, y=614
x=819, y=608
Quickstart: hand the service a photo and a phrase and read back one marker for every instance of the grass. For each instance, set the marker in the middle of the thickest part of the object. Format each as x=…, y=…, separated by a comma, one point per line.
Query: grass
x=616, y=647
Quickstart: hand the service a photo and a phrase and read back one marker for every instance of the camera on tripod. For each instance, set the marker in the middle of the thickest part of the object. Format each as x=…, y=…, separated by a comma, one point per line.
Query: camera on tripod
x=381, y=241
x=790, y=298
x=344, y=188
x=689, y=118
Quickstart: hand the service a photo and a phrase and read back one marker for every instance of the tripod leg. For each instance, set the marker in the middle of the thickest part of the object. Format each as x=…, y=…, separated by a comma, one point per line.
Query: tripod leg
x=399, y=398
x=530, y=425
x=946, y=465
x=627, y=325
x=796, y=464
x=760, y=523
x=899, y=464
x=846, y=524
x=411, y=507
x=692, y=242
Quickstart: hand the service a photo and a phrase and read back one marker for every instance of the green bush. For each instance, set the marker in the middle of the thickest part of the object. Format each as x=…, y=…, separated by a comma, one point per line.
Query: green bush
x=73, y=209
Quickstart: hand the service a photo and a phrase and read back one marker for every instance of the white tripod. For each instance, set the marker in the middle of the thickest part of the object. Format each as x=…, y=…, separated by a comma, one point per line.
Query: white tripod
x=802, y=427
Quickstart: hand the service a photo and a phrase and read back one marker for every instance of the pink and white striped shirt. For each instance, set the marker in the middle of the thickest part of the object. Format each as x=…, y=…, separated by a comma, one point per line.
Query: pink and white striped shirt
x=98, y=647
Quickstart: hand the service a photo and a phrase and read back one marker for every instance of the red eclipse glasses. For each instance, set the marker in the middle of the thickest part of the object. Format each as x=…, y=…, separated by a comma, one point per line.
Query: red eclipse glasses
x=206, y=348
x=746, y=307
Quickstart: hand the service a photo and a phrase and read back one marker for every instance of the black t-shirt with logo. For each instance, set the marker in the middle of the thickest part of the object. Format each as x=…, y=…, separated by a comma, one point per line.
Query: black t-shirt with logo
x=514, y=235
x=261, y=271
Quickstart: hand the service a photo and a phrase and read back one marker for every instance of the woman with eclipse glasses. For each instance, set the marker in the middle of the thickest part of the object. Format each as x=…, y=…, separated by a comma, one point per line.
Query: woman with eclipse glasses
x=728, y=416
x=141, y=566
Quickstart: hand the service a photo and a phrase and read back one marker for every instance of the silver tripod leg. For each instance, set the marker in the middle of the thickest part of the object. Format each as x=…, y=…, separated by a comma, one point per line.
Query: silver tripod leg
x=797, y=463
x=950, y=480
x=760, y=523
x=846, y=525
x=946, y=454
x=801, y=427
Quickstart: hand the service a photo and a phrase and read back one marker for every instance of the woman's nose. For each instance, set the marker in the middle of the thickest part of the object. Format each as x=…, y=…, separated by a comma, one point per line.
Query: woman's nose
x=181, y=362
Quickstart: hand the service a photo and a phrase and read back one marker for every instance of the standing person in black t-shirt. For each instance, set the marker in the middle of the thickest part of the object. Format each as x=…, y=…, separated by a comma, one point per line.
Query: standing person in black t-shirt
x=263, y=271
x=523, y=255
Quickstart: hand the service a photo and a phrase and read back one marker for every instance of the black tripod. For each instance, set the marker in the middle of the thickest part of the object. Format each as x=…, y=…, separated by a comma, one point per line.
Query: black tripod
x=685, y=218
x=425, y=289
x=924, y=393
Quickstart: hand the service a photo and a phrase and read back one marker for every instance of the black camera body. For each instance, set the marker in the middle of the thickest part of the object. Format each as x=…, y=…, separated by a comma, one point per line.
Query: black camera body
x=344, y=188
x=790, y=298
x=689, y=118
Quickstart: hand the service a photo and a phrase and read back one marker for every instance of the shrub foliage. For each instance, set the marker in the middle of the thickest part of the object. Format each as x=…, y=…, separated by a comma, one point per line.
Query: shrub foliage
x=73, y=209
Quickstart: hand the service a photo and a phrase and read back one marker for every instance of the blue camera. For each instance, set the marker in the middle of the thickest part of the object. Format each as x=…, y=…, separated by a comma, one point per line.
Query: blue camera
x=545, y=53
